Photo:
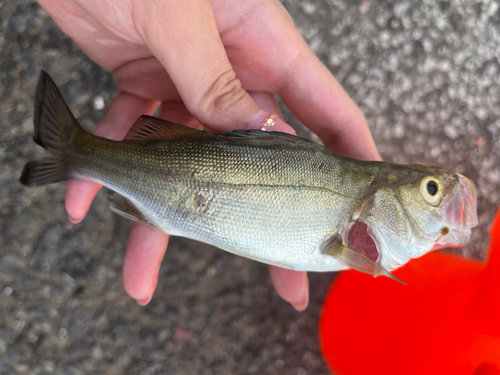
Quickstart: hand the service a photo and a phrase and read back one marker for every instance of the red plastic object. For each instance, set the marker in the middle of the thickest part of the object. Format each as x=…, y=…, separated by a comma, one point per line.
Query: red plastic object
x=446, y=320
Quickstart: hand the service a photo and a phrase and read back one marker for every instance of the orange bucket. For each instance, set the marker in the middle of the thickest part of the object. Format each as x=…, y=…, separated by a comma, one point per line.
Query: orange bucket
x=446, y=320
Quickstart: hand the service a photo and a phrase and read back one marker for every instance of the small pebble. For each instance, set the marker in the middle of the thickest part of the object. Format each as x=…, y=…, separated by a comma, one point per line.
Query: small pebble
x=97, y=352
x=98, y=102
x=481, y=113
x=450, y=132
x=18, y=24
x=68, y=279
x=309, y=8
x=28, y=124
x=384, y=36
x=62, y=332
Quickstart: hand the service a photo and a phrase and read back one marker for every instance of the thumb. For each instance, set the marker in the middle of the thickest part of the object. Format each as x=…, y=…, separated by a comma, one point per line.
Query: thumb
x=183, y=36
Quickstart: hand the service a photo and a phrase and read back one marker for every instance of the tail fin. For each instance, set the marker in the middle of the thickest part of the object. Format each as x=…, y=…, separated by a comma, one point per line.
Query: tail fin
x=45, y=171
x=55, y=126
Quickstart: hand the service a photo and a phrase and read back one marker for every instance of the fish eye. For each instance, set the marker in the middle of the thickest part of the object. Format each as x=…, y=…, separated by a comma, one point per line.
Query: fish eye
x=430, y=188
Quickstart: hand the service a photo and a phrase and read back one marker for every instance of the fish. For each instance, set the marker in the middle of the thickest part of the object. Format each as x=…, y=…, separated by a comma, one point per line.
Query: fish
x=269, y=196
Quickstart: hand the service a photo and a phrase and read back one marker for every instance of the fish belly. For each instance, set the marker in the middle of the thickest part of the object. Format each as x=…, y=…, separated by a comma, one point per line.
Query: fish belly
x=278, y=225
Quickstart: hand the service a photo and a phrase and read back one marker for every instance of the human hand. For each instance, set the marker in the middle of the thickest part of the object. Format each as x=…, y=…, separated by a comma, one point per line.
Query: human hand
x=213, y=63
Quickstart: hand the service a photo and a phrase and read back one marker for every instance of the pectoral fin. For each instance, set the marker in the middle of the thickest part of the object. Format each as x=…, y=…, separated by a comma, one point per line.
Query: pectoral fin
x=356, y=260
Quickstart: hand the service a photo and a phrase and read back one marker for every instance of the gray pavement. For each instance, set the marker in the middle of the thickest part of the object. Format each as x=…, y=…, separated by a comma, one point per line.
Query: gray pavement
x=424, y=73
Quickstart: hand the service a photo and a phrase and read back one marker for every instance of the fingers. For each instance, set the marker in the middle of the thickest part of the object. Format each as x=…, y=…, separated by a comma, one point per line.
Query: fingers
x=292, y=286
x=199, y=69
x=274, y=57
x=121, y=115
x=141, y=266
x=318, y=100
x=146, y=78
x=266, y=101
x=112, y=34
x=177, y=112
x=79, y=196
x=270, y=117
x=107, y=48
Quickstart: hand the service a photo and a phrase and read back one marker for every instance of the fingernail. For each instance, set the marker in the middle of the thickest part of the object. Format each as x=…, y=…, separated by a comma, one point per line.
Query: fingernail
x=304, y=301
x=301, y=306
x=264, y=120
x=74, y=220
x=146, y=300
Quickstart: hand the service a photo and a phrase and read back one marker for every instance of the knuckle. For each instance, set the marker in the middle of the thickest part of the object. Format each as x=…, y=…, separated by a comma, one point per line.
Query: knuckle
x=222, y=94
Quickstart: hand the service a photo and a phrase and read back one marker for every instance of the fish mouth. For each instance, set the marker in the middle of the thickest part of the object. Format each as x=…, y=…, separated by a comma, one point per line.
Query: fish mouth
x=461, y=213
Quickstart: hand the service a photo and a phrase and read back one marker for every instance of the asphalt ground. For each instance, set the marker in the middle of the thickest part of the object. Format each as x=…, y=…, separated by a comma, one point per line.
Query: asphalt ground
x=425, y=74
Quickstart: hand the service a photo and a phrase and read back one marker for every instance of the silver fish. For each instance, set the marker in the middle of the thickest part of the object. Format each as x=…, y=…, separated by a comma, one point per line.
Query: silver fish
x=268, y=196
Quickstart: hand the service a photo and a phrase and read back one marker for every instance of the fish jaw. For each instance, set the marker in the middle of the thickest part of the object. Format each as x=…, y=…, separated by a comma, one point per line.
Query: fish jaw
x=460, y=214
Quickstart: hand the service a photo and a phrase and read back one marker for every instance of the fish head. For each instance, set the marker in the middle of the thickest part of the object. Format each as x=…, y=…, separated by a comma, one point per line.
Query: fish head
x=422, y=208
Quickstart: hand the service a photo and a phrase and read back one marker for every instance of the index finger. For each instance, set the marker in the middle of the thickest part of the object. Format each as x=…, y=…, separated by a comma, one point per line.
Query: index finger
x=320, y=102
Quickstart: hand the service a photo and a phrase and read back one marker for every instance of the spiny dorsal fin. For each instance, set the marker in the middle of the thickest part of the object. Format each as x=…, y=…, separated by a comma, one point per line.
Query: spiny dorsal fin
x=257, y=133
x=147, y=128
x=122, y=206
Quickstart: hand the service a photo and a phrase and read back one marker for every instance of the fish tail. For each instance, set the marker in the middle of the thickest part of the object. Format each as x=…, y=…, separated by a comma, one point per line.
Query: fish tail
x=43, y=172
x=55, y=128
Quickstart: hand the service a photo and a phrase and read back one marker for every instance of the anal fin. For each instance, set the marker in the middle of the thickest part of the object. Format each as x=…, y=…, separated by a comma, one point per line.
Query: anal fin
x=356, y=260
x=122, y=206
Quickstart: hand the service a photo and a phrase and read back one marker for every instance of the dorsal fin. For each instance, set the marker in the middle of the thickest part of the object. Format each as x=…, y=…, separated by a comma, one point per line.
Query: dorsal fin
x=147, y=128
x=257, y=133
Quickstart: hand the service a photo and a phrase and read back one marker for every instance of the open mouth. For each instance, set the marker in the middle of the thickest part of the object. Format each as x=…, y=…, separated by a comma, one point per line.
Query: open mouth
x=461, y=211
x=358, y=239
x=460, y=214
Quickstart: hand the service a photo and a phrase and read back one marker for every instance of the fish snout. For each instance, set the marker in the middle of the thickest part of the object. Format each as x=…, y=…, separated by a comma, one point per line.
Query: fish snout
x=461, y=212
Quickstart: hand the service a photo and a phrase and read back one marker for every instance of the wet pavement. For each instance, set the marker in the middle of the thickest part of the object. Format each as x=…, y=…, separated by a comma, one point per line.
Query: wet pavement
x=425, y=75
